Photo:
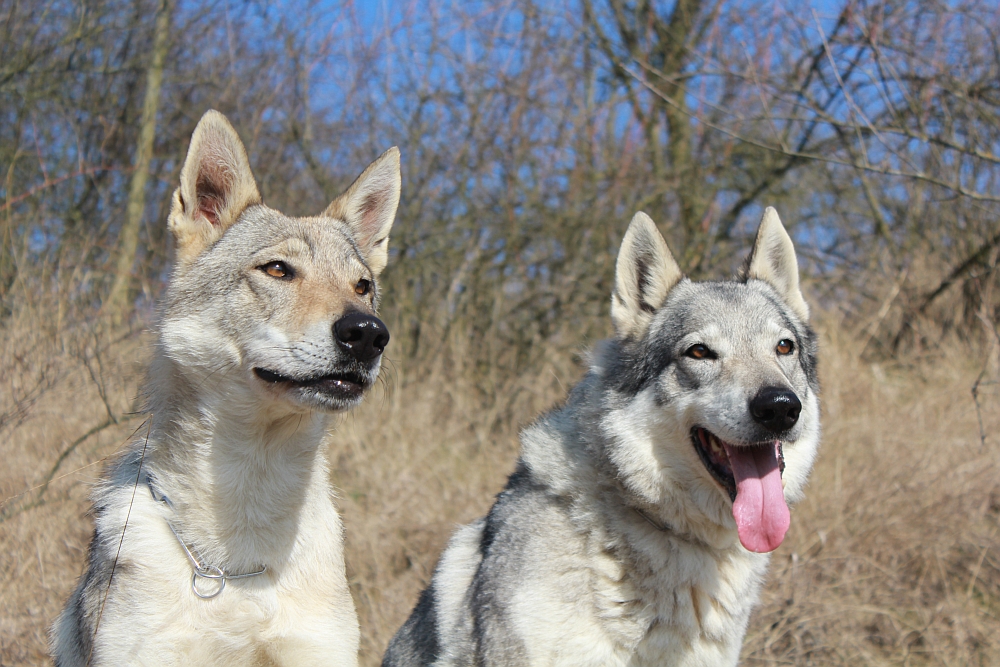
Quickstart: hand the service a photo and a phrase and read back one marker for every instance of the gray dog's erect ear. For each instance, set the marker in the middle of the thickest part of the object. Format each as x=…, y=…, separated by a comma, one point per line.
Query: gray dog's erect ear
x=216, y=186
x=644, y=275
x=369, y=207
x=773, y=261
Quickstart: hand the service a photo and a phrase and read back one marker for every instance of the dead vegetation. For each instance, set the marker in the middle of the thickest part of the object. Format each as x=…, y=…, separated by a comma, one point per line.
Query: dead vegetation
x=893, y=557
x=529, y=136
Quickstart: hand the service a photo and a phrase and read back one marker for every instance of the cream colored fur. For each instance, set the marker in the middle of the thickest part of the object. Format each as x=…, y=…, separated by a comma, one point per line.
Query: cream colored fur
x=239, y=457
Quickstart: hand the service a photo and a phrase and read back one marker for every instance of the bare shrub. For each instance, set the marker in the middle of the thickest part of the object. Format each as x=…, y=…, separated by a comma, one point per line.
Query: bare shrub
x=530, y=133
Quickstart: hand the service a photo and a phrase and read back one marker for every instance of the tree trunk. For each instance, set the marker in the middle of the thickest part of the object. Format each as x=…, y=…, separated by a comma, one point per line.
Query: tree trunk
x=117, y=305
x=667, y=53
x=673, y=45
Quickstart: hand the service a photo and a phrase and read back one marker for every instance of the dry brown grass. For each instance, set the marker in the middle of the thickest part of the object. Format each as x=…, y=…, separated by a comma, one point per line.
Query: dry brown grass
x=43, y=537
x=893, y=558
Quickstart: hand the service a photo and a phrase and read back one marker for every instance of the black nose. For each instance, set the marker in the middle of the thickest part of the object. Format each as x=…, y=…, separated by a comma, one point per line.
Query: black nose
x=775, y=408
x=362, y=336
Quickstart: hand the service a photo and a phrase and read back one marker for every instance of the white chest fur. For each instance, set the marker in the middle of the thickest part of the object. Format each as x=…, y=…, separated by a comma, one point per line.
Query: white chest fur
x=297, y=613
x=677, y=603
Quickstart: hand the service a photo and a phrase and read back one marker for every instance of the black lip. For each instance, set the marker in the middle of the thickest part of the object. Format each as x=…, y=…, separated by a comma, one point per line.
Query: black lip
x=722, y=472
x=344, y=385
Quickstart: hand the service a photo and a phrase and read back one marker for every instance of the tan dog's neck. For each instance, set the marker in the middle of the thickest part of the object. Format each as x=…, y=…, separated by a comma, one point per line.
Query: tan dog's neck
x=238, y=470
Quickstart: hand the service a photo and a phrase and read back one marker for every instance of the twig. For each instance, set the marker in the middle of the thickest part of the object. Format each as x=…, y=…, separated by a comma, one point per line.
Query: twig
x=47, y=183
x=69, y=450
x=979, y=411
x=763, y=100
x=50, y=477
x=979, y=565
x=121, y=541
x=992, y=327
x=955, y=187
x=884, y=308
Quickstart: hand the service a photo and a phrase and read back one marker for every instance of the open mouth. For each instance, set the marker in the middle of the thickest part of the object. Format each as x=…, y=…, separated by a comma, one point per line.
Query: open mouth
x=751, y=475
x=344, y=386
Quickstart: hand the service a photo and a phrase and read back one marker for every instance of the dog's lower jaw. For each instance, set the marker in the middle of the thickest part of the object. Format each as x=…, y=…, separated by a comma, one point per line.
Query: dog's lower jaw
x=331, y=392
x=334, y=399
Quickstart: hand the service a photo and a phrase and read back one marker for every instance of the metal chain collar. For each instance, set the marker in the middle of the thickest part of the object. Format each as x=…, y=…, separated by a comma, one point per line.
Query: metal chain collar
x=201, y=570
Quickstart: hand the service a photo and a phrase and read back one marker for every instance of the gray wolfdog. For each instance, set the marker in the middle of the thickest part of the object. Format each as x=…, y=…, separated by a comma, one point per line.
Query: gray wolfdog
x=634, y=528
x=216, y=538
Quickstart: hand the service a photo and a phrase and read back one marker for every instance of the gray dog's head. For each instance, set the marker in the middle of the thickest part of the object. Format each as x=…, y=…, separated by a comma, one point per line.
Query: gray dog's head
x=714, y=384
x=275, y=312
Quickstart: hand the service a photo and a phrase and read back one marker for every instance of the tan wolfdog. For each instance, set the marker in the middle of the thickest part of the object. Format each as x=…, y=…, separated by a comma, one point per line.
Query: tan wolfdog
x=217, y=540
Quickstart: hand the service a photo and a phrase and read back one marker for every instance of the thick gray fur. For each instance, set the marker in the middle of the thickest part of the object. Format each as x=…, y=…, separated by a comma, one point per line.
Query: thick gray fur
x=611, y=543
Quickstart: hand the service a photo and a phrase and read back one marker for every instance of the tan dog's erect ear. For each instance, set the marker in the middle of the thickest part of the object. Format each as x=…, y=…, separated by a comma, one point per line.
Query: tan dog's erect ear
x=773, y=261
x=216, y=186
x=644, y=274
x=369, y=207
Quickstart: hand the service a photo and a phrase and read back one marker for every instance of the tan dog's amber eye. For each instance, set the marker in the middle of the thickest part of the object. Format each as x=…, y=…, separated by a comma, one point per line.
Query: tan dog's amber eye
x=277, y=270
x=363, y=287
x=700, y=351
x=785, y=346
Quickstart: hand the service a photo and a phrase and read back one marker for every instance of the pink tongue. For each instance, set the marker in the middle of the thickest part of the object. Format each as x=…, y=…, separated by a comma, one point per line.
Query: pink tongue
x=760, y=510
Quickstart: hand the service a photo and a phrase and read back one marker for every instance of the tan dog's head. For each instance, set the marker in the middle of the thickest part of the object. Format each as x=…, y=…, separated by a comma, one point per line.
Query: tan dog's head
x=262, y=306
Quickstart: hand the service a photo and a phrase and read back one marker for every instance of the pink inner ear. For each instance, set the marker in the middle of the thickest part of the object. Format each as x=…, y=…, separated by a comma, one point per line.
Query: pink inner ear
x=208, y=207
x=210, y=198
x=369, y=214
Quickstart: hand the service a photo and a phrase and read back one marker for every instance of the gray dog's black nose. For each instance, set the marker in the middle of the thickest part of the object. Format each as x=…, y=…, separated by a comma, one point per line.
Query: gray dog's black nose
x=362, y=336
x=775, y=408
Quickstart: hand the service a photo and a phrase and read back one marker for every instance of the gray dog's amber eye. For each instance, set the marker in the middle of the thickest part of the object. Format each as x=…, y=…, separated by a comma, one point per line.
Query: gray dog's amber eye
x=363, y=287
x=785, y=346
x=276, y=270
x=700, y=351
